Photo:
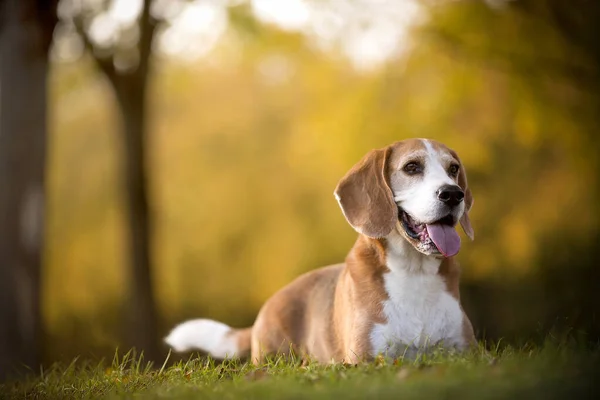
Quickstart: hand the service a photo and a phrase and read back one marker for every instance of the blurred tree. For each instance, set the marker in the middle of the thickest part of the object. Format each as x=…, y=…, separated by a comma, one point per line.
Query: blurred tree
x=25, y=35
x=577, y=23
x=572, y=27
x=125, y=61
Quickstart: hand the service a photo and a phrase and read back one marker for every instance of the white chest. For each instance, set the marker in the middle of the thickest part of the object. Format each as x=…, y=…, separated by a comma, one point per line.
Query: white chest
x=419, y=313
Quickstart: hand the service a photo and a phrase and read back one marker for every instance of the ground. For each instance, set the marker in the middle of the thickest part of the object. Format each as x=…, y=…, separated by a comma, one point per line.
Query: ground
x=551, y=371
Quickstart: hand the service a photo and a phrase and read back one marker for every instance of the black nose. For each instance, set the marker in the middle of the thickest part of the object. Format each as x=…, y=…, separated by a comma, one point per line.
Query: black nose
x=451, y=195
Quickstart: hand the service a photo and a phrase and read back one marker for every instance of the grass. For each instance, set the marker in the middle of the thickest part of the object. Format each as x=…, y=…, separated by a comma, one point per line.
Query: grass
x=551, y=371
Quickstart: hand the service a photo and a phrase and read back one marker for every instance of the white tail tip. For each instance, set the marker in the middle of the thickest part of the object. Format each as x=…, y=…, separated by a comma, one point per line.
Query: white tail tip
x=210, y=336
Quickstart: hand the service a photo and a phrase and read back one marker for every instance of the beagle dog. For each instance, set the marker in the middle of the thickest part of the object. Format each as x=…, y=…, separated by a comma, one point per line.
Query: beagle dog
x=396, y=294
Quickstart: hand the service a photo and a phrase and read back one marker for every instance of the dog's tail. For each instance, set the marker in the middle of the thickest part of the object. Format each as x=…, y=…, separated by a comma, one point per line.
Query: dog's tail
x=213, y=337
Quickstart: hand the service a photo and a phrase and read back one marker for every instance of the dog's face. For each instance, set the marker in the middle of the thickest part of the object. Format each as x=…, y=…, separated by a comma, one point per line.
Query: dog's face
x=416, y=189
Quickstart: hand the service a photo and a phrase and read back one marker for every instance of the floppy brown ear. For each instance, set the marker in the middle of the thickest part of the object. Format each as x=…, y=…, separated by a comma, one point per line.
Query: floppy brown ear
x=366, y=198
x=465, y=222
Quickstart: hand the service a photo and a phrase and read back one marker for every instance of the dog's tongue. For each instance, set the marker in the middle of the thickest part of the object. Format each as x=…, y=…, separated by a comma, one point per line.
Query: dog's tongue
x=445, y=237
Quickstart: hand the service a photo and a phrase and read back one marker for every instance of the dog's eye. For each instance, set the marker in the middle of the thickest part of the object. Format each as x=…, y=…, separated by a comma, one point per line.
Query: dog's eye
x=413, y=168
x=453, y=170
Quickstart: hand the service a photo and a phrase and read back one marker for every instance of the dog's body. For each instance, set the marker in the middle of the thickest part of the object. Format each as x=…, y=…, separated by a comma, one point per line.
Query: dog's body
x=396, y=293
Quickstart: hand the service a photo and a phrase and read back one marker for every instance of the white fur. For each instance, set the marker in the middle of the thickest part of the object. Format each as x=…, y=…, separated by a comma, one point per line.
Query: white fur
x=419, y=312
x=203, y=334
x=419, y=199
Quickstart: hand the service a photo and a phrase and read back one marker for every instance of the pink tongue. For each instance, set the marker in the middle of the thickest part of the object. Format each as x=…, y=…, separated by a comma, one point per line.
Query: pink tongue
x=445, y=237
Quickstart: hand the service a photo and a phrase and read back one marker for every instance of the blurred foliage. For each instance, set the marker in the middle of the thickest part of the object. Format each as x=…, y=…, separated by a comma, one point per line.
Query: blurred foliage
x=247, y=144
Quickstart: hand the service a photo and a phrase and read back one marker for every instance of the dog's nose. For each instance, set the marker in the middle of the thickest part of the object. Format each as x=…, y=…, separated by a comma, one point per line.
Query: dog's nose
x=451, y=195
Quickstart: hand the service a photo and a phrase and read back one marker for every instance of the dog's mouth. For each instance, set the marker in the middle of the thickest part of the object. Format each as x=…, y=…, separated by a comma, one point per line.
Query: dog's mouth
x=436, y=237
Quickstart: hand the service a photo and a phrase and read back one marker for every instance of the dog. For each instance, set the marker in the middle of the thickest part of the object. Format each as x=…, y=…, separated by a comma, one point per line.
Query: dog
x=397, y=293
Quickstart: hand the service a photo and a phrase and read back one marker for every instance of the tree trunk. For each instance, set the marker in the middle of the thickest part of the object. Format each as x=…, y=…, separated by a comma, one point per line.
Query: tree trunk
x=130, y=92
x=141, y=313
x=24, y=43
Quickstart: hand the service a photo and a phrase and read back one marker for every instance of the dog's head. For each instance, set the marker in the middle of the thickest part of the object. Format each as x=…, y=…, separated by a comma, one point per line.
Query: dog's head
x=416, y=188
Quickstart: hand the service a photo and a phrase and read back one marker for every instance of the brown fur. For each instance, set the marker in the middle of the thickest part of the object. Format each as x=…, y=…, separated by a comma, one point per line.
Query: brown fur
x=365, y=196
x=327, y=313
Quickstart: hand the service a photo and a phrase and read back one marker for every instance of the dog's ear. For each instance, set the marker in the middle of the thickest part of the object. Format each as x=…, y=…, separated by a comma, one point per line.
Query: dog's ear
x=465, y=222
x=366, y=198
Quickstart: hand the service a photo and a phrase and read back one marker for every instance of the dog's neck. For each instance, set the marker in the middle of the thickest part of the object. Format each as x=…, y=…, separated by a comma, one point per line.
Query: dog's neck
x=373, y=262
x=392, y=254
x=401, y=256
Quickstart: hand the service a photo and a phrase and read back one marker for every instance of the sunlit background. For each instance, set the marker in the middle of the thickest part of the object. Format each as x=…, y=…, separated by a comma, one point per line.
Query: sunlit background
x=256, y=109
